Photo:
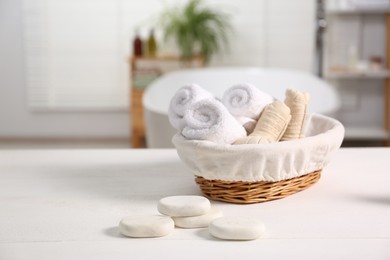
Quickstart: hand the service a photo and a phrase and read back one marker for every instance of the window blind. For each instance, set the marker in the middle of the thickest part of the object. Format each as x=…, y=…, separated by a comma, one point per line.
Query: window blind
x=73, y=55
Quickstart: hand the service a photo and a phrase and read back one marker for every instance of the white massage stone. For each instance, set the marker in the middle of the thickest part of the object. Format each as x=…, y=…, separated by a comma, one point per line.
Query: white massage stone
x=198, y=221
x=184, y=206
x=237, y=228
x=146, y=226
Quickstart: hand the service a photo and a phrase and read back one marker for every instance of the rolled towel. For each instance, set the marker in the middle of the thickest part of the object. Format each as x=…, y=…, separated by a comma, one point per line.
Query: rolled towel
x=182, y=100
x=208, y=119
x=246, y=102
x=297, y=102
x=270, y=126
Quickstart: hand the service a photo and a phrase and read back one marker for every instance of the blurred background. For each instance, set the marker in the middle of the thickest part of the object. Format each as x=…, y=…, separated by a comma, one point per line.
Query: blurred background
x=72, y=72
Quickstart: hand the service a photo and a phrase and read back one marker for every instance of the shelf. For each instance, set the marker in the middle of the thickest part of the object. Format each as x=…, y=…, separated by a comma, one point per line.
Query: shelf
x=164, y=58
x=368, y=133
x=351, y=15
x=358, y=11
x=380, y=74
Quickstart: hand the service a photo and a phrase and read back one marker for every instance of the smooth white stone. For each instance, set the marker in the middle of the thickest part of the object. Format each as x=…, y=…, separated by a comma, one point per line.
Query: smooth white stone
x=184, y=206
x=237, y=228
x=198, y=221
x=146, y=226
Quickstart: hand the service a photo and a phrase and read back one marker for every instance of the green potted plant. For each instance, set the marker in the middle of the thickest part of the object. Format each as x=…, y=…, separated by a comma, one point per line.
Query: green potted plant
x=197, y=29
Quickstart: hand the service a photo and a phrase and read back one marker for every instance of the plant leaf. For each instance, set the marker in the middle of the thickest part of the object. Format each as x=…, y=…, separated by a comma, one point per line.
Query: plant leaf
x=197, y=29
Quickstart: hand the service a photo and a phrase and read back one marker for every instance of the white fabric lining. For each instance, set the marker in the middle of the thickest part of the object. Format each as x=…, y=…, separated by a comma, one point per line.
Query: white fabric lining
x=264, y=162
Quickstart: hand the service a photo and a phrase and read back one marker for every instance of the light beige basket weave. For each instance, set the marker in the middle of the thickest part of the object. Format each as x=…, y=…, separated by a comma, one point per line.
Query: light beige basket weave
x=253, y=173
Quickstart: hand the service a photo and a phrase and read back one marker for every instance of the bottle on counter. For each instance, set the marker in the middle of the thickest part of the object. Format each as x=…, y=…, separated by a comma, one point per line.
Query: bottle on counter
x=352, y=57
x=137, y=45
x=152, y=44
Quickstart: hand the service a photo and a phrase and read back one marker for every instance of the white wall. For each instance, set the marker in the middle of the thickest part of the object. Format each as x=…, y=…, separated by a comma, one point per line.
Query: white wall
x=268, y=33
x=272, y=33
x=16, y=120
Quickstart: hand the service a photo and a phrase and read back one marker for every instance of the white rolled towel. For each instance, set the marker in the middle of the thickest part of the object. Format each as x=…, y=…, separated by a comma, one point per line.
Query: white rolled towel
x=182, y=100
x=246, y=102
x=208, y=119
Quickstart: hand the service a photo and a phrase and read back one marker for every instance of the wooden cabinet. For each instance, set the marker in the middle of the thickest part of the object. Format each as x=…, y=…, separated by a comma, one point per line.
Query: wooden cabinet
x=137, y=119
x=143, y=70
x=387, y=81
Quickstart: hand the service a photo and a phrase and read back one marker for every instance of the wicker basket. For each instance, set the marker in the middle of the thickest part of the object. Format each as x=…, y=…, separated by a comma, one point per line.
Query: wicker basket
x=257, y=173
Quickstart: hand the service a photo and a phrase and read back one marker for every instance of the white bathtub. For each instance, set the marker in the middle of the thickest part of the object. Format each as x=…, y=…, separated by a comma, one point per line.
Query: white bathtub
x=159, y=132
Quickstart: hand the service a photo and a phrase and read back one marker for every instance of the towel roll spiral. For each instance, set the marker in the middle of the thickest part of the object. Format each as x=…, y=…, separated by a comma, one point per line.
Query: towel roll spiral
x=208, y=119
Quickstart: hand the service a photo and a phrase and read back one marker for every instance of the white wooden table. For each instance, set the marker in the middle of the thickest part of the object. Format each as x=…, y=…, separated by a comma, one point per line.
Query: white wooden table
x=66, y=204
